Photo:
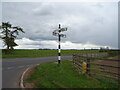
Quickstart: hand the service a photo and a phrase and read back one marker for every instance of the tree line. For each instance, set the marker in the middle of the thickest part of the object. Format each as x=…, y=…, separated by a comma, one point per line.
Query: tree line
x=8, y=34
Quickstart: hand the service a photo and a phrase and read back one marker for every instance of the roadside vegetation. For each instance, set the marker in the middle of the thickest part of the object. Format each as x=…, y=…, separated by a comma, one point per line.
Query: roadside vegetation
x=50, y=75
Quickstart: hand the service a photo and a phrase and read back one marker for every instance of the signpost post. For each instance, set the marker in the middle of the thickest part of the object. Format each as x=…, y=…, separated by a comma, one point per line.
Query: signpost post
x=58, y=33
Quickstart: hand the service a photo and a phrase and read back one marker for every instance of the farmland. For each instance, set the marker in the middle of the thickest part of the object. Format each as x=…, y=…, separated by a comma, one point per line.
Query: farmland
x=43, y=53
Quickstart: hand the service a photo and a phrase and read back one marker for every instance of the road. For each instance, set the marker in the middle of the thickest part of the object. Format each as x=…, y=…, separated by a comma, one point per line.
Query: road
x=12, y=69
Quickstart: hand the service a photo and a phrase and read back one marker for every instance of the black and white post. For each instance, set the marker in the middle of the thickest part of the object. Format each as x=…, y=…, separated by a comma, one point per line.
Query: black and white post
x=57, y=33
x=59, y=49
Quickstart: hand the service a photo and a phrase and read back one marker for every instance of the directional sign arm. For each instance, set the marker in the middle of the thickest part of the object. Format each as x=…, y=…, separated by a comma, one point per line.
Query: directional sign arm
x=63, y=35
x=55, y=34
x=63, y=29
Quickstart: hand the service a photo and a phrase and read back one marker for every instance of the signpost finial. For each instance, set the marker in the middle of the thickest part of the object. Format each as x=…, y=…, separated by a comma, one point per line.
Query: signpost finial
x=59, y=26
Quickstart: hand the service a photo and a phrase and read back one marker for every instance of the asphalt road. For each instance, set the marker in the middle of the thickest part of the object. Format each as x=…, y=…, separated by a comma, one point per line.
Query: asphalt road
x=12, y=69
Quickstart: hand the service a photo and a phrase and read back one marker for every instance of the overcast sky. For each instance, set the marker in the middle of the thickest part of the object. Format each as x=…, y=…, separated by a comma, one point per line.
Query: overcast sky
x=90, y=24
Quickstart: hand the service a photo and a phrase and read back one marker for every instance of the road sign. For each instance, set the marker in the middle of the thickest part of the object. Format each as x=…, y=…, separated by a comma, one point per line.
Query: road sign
x=57, y=33
x=63, y=35
x=63, y=29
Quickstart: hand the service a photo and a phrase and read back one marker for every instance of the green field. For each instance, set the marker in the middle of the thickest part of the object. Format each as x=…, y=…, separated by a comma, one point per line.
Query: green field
x=50, y=75
x=0, y=53
x=44, y=53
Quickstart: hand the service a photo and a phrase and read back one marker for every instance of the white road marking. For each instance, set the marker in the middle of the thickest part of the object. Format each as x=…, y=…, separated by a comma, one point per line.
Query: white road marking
x=14, y=61
x=10, y=67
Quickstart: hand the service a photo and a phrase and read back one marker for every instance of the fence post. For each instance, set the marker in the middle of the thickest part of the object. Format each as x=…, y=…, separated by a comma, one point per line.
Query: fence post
x=84, y=67
x=88, y=66
x=73, y=59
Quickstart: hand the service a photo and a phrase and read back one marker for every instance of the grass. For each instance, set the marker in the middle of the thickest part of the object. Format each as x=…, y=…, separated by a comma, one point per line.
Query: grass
x=50, y=75
x=44, y=53
x=0, y=54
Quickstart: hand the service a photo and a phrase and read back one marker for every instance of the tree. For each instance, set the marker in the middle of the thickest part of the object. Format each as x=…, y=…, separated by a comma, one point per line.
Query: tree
x=6, y=31
x=9, y=34
x=13, y=35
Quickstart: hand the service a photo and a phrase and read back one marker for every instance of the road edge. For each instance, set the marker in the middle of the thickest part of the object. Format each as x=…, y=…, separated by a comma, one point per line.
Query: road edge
x=21, y=85
x=22, y=77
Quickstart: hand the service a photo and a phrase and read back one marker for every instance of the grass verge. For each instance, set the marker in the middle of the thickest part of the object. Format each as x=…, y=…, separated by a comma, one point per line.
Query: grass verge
x=50, y=75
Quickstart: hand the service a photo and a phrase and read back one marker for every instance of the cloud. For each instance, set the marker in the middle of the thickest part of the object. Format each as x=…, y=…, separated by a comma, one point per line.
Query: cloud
x=26, y=43
x=95, y=23
x=43, y=10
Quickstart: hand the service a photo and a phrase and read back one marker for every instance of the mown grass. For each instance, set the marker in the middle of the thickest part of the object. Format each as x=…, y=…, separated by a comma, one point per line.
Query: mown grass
x=50, y=75
x=43, y=53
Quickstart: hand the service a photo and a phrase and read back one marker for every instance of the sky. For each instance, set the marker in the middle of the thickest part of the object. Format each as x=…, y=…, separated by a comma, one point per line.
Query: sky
x=89, y=24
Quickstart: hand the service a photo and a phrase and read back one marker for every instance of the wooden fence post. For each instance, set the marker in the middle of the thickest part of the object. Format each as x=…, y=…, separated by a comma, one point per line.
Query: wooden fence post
x=88, y=66
x=74, y=56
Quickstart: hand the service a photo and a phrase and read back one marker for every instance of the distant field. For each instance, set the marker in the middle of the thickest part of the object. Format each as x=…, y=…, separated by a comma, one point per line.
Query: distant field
x=44, y=53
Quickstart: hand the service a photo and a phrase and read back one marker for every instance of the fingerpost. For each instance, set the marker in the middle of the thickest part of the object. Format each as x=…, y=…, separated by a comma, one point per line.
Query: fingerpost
x=58, y=33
